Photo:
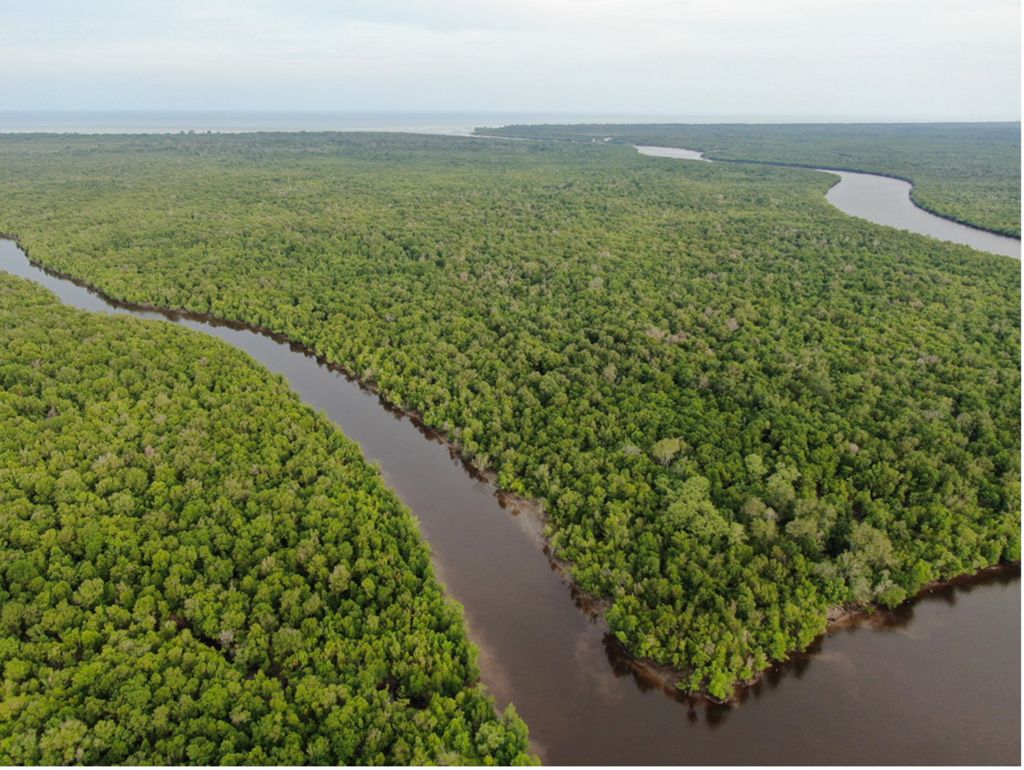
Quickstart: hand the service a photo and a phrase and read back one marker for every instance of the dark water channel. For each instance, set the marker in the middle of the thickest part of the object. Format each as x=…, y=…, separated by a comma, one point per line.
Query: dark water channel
x=935, y=682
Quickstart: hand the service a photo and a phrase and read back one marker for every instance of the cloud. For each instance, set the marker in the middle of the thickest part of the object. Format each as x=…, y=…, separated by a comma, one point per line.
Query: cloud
x=953, y=57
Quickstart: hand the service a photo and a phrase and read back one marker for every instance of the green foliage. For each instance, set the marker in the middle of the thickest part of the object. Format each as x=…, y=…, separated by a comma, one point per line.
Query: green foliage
x=196, y=568
x=969, y=172
x=738, y=405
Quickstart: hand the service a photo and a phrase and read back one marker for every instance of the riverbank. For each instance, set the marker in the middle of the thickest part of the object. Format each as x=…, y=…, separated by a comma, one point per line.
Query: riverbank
x=840, y=617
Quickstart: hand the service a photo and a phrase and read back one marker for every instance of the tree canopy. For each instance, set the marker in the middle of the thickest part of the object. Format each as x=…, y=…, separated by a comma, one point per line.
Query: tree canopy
x=739, y=406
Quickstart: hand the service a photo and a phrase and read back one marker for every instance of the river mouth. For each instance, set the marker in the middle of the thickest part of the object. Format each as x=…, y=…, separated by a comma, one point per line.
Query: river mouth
x=900, y=687
x=883, y=200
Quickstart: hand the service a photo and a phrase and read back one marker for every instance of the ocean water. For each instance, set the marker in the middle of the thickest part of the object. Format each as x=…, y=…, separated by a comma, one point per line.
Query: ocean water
x=171, y=122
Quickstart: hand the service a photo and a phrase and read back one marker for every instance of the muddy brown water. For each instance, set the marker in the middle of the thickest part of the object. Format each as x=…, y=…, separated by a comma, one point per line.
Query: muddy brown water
x=935, y=682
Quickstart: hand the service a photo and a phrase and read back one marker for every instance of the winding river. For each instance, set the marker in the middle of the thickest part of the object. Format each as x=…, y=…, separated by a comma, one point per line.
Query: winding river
x=885, y=201
x=936, y=681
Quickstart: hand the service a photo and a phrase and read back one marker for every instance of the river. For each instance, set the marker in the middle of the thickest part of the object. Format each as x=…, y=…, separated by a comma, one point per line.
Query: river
x=935, y=682
x=884, y=201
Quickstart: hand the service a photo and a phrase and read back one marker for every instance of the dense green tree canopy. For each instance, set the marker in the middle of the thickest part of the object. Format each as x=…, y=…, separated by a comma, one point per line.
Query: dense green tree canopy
x=969, y=172
x=739, y=406
x=196, y=568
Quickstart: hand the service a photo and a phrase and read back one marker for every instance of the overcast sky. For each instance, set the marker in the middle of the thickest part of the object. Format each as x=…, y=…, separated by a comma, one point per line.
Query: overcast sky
x=848, y=59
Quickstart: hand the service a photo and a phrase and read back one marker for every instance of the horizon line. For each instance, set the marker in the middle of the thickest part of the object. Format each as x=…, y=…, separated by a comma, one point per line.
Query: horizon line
x=514, y=116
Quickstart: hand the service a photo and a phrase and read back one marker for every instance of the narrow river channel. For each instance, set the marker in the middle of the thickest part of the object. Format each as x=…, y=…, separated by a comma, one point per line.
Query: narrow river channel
x=884, y=201
x=934, y=682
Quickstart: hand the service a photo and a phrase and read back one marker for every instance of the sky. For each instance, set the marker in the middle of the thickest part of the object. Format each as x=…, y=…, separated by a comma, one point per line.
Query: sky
x=775, y=59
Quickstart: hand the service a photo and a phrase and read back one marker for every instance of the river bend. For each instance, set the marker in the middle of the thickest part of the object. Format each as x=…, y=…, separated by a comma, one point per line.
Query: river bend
x=934, y=682
x=884, y=201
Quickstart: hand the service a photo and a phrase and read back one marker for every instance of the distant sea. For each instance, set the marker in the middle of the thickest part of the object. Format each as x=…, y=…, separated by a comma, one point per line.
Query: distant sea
x=172, y=122
x=240, y=122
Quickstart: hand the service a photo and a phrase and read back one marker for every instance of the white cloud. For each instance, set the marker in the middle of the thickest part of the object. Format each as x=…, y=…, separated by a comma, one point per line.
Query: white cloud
x=728, y=57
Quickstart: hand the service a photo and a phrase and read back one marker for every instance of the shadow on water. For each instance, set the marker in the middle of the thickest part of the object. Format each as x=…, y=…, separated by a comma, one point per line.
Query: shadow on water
x=932, y=682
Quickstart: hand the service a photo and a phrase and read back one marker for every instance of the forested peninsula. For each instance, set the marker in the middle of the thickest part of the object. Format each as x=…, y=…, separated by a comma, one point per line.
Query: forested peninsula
x=967, y=172
x=738, y=406
x=196, y=568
